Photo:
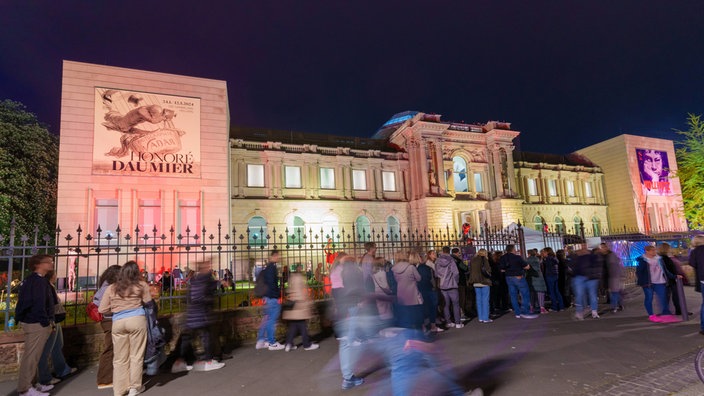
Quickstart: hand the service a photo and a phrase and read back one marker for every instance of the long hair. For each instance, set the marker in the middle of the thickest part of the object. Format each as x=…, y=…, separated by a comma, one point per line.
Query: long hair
x=128, y=278
x=109, y=275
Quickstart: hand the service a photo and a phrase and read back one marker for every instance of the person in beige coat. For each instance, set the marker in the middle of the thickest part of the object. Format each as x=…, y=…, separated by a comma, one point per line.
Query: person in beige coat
x=298, y=314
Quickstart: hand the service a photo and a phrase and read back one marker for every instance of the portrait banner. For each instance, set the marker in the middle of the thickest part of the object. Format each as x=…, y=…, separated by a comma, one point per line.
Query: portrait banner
x=146, y=134
x=654, y=171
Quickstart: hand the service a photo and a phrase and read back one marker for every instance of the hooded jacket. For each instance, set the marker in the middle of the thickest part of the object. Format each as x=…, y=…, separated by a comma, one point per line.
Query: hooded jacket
x=446, y=270
x=407, y=278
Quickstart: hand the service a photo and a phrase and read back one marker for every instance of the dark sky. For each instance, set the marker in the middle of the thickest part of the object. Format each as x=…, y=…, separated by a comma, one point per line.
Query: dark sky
x=566, y=74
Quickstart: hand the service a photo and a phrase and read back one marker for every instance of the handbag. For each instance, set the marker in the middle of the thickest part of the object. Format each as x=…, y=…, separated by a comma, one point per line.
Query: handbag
x=92, y=312
x=288, y=305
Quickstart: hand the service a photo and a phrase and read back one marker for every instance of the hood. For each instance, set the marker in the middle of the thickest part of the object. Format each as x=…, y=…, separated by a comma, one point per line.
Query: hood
x=444, y=260
x=400, y=267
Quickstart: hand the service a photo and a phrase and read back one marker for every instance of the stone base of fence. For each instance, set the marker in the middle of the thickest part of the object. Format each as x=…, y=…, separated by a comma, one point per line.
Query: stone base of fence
x=84, y=343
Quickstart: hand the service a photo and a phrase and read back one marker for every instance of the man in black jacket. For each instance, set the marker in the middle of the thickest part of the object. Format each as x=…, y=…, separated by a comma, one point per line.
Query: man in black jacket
x=272, y=308
x=514, y=266
x=35, y=310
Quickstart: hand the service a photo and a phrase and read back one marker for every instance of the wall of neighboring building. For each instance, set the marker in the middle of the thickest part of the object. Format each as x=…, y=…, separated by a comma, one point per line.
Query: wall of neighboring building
x=143, y=149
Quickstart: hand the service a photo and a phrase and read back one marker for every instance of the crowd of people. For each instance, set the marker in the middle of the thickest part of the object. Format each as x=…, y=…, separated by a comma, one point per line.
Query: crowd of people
x=403, y=301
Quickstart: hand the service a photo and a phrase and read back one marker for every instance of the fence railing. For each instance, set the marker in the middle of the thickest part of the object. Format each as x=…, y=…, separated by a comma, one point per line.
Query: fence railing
x=237, y=255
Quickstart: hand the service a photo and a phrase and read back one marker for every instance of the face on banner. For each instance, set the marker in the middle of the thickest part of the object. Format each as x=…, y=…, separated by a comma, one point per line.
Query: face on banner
x=653, y=167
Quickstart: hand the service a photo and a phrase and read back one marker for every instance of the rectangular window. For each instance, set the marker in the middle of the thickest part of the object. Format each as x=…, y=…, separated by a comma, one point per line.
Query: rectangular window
x=570, y=188
x=478, y=186
x=588, y=189
x=188, y=219
x=552, y=187
x=255, y=175
x=106, y=217
x=359, y=179
x=327, y=178
x=388, y=181
x=532, y=187
x=149, y=217
x=293, y=176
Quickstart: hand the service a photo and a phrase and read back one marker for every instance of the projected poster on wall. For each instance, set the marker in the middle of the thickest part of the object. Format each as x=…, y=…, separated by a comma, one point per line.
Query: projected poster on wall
x=146, y=134
x=654, y=170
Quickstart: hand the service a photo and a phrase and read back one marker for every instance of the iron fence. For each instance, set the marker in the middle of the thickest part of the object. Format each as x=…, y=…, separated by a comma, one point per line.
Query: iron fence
x=237, y=255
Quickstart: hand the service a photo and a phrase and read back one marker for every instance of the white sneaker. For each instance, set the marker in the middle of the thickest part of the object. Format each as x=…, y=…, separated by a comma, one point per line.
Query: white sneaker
x=209, y=365
x=459, y=325
x=290, y=347
x=180, y=366
x=54, y=381
x=450, y=325
x=135, y=392
x=312, y=347
x=276, y=347
x=595, y=314
x=43, y=388
x=261, y=344
x=34, y=392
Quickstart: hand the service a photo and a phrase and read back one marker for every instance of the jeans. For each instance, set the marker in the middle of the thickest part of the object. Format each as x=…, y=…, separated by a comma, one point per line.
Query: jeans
x=129, y=341
x=348, y=329
x=660, y=290
x=430, y=307
x=555, y=296
x=482, y=294
x=451, y=298
x=53, y=347
x=592, y=289
x=267, y=329
x=615, y=299
x=519, y=285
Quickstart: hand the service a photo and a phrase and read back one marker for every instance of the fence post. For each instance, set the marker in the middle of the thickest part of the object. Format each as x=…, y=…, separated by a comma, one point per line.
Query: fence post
x=521, y=238
x=10, y=254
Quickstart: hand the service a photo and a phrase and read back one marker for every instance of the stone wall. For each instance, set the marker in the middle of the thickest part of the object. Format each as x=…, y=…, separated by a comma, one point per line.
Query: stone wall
x=84, y=343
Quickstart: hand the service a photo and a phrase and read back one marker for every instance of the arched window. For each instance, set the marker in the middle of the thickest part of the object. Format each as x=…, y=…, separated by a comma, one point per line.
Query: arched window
x=296, y=230
x=362, y=229
x=559, y=225
x=257, y=231
x=331, y=228
x=538, y=223
x=577, y=225
x=393, y=228
x=596, y=226
x=459, y=174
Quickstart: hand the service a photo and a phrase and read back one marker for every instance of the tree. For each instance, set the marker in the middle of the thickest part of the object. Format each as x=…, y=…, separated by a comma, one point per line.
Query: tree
x=29, y=160
x=690, y=163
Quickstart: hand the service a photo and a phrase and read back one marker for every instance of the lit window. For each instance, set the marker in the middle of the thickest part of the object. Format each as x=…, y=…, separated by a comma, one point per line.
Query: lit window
x=188, y=218
x=532, y=187
x=106, y=217
x=293, y=176
x=363, y=228
x=459, y=174
x=577, y=225
x=538, y=223
x=394, y=228
x=327, y=178
x=570, y=188
x=559, y=225
x=478, y=185
x=588, y=189
x=596, y=226
x=359, y=179
x=257, y=231
x=296, y=231
x=388, y=181
x=149, y=217
x=255, y=175
x=552, y=187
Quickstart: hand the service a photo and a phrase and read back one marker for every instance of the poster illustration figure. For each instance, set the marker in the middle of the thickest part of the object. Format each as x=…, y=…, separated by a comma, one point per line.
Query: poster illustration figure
x=139, y=133
x=654, y=170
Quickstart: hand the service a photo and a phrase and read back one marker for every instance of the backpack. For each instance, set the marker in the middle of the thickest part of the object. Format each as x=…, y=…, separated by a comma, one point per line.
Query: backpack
x=260, y=286
x=390, y=279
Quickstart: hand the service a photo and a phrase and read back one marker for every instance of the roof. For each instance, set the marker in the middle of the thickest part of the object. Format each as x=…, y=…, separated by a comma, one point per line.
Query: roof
x=297, y=137
x=573, y=159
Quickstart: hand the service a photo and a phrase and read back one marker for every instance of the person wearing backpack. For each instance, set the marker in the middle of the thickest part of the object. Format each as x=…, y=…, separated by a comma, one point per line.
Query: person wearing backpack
x=272, y=308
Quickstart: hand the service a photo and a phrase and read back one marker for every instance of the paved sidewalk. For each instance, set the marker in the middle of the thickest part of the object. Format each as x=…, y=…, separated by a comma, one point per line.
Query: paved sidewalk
x=618, y=354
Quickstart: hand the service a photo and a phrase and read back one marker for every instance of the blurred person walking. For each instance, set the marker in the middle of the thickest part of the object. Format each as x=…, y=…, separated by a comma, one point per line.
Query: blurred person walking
x=696, y=260
x=348, y=326
x=615, y=282
x=53, y=349
x=125, y=299
x=552, y=274
x=300, y=312
x=35, y=311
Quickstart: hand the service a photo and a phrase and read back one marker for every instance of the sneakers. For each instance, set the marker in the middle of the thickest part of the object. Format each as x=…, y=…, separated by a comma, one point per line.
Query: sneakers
x=54, y=381
x=485, y=321
x=450, y=325
x=437, y=329
x=543, y=311
x=261, y=344
x=312, y=347
x=290, y=347
x=518, y=316
x=135, y=392
x=179, y=367
x=43, y=388
x=276, y=346
x=34, y=392
x=108, y=386
x=529, y=316
x=579, y=316
x=595, y=314
x=459, y=325
x=209, y=365
x=349, y=383
x=71, y=370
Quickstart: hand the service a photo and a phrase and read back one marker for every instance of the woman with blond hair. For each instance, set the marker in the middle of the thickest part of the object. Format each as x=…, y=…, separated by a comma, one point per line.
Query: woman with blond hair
x=696, y=260
x=125, y=299
x=480, y=277
x=409, y=308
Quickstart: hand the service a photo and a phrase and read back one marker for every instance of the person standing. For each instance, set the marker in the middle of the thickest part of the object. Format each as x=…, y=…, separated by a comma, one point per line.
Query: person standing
x=107, y=278
x=266, y=339
x=696, y=260
x=367, y=264
x=480, y=278
x=449, y=276
x=428, y=290
x=652, y=276
x=299, y=314
x=514, y=267
x=552, y=273
x=125, y=299
x=615, y=283
x=409, y=308
x=665, y=253
x=466, y=296
x=35, y=311
x=536, y=282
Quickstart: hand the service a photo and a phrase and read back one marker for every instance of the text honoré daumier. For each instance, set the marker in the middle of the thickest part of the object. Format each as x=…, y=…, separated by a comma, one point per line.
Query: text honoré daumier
x=155, y=163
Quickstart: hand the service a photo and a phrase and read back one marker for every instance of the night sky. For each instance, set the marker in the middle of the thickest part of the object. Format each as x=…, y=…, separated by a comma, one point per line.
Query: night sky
x=566, y=74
